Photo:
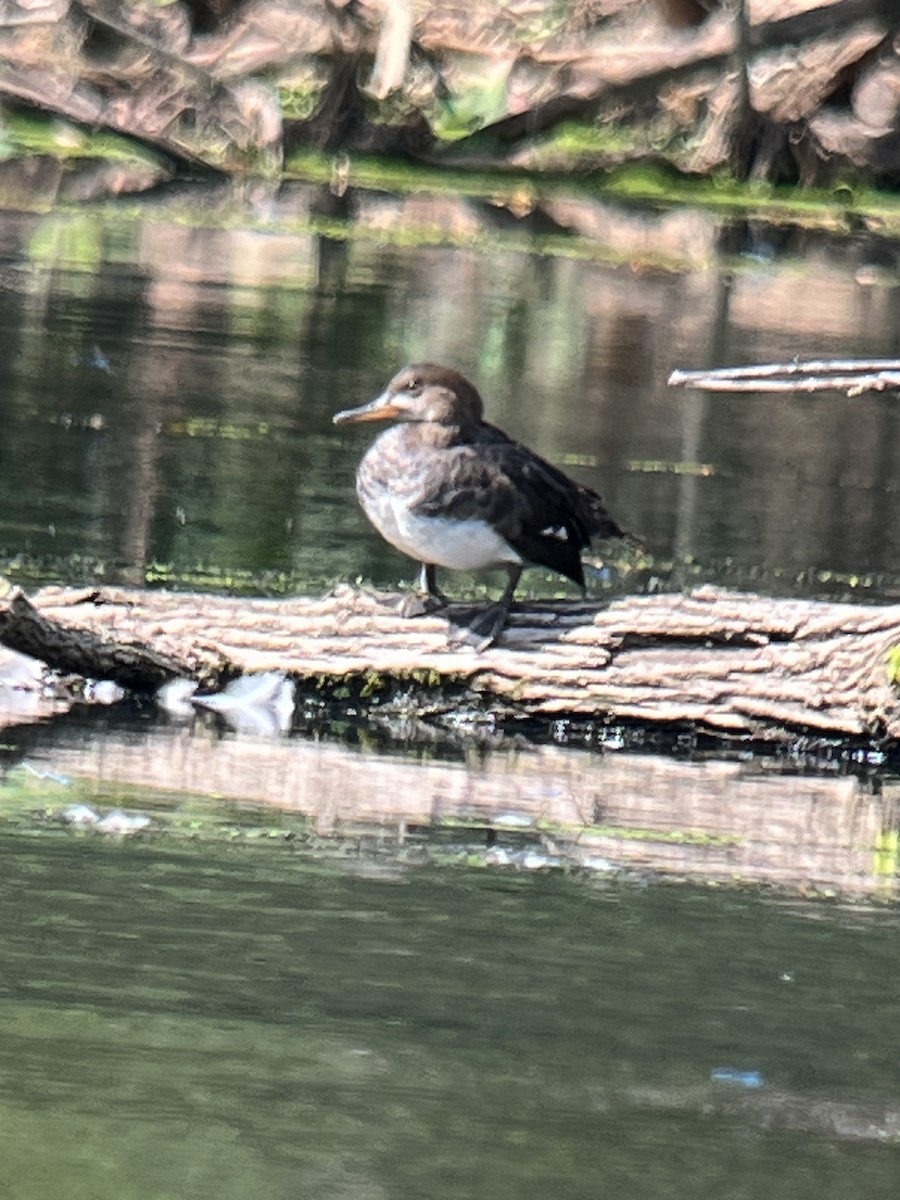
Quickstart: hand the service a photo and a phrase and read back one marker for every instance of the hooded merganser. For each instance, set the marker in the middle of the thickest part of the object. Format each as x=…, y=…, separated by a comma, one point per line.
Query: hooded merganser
x=450, y=490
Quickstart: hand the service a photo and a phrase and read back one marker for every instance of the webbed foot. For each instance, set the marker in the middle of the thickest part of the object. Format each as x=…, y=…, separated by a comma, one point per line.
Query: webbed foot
x=414, y=604
x=485, y=628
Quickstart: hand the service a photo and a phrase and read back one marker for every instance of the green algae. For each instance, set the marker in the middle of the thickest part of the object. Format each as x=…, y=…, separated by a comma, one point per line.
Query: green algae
x=588, y=145
x=28, y=134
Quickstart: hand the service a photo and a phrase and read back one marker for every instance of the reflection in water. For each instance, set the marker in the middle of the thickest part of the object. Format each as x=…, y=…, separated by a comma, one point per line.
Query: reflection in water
x=417, y=793
x=204, y=1018
x=205, y=444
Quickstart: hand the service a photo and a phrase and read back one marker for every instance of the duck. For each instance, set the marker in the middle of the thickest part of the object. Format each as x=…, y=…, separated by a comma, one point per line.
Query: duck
x=445, y=487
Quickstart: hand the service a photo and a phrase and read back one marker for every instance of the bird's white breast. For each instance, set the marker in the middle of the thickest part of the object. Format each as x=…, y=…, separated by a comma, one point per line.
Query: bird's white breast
x=470, y=545
x=462, y=545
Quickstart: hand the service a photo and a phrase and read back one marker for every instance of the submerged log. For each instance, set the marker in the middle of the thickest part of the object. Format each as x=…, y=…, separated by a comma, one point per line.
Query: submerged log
x=731, y=662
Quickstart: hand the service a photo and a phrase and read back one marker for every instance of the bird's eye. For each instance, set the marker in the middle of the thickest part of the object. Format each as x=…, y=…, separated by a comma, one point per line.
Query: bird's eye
x=414, y=385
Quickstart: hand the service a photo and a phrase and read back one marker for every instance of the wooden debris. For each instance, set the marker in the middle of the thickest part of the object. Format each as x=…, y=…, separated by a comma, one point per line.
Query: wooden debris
x=726, y=661
x=143, y=83
x=78, y=651
x=853, y=376
x=787, y=85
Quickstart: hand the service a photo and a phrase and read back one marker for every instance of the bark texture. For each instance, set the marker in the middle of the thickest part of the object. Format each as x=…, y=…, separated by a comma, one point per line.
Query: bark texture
x=732, y=662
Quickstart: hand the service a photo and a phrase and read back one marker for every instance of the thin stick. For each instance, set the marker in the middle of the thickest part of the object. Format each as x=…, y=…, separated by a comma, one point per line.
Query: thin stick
x=852, y=376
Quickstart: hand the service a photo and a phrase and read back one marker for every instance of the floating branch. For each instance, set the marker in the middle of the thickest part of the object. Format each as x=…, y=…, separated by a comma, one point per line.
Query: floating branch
x=851, y=375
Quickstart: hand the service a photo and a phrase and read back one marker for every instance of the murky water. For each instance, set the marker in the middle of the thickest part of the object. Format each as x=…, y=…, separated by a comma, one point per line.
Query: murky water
x=203, y=1016
x=198, y=1022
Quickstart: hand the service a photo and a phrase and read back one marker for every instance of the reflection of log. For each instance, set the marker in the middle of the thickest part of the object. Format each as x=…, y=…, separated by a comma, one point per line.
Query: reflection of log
x=637, y=812
x=729, y=661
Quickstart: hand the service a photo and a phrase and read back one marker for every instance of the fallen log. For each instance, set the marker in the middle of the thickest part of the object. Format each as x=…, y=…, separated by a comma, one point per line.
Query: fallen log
x=730, y=662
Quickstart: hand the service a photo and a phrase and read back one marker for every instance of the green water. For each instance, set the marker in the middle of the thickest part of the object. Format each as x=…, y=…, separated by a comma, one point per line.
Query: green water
x=227, y=1019
x=168, y=378
x=236, y=1021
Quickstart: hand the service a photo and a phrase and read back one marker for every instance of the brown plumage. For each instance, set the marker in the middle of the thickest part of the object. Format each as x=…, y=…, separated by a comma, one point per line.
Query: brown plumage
x=451, y=490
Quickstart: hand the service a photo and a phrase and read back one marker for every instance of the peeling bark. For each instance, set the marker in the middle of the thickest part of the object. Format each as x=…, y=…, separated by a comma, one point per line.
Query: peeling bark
x=732, y=662
x=80, y=651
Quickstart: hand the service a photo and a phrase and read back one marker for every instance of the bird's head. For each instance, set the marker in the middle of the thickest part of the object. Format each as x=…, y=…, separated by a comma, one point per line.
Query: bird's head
x=423, y=392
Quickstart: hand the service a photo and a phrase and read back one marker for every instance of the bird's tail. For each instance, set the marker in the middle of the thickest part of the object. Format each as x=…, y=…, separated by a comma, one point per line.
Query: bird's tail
x=600, y=526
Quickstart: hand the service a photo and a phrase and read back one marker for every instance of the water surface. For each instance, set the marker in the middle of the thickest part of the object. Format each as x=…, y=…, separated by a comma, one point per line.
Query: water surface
x=167, y=391
x=225, y=1015
x=239, y=1022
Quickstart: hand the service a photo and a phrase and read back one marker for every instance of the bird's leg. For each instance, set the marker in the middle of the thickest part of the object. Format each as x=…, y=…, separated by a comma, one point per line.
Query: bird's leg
x=429, y=597
x=484, y=630
x=428, y=585
x=514, y=571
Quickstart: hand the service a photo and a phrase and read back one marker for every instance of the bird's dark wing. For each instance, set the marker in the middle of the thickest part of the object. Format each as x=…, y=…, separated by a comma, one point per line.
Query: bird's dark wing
x=544, y=515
